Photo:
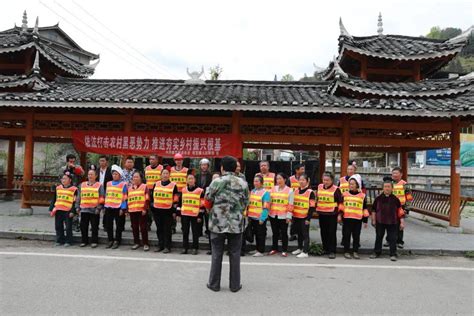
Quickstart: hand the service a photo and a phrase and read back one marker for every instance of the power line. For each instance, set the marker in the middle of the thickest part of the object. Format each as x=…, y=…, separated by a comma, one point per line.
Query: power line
x=106, y=38
x=123, y=40
x=97, y=42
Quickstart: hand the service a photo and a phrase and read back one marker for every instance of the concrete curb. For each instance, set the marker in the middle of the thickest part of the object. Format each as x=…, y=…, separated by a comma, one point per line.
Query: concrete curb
x=205, y=246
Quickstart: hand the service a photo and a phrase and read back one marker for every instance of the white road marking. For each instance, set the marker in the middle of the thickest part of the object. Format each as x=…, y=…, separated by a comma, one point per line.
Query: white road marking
x=273, y=264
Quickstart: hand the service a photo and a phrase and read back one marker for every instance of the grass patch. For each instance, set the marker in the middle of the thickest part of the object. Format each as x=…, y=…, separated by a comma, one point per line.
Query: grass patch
x=469, y=254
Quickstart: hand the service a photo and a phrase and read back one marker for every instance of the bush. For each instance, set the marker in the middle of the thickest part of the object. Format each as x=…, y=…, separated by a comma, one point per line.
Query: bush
x=316, y=249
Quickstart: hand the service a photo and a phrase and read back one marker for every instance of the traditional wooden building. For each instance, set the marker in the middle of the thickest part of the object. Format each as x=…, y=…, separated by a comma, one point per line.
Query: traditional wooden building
x=376, y=95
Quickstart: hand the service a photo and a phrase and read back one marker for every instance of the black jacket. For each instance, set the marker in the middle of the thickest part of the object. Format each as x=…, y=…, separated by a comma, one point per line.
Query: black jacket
x=107, y=178
x=205, y=184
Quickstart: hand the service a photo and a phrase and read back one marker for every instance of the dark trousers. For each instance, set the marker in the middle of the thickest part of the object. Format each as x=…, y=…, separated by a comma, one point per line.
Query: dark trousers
x=164, y=221
x=399, y=239
x=60, y=219
x=391, y=237
x=113, y=215
x=139, y=225
x=328, y=227
x=93, y=219
x=190, y=222
x=279, y=227
x=260, y=234
x=302, y=231
x=234, y=244
x=351, y=227
x=293, y=230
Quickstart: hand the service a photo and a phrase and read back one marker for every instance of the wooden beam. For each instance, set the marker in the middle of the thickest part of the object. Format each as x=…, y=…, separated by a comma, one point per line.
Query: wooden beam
x=363, y=67
x=290, y=122
x=28, y=165
x=236, y=124
x=80, y=117
x=345, y=141
x=400, y=142
x=384, y=71
x=182, y=119
x=416, y=71
x=454, y=219
x=403, y=126
x=290, y=139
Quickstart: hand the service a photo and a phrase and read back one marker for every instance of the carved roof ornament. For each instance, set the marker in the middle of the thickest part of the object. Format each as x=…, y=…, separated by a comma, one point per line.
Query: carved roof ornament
x=380, y=24
x=342, y=29
x=35, y=29
x=195, y=76
x=24, y=22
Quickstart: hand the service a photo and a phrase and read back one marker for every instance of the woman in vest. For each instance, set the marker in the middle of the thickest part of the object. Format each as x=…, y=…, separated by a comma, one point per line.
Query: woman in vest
x=329, y=199
x=90, y=203
x=257, y=213
x=303, y=209
x=191, y=212
x=63, y=210
x=281, y=212
x=115, y=207
x=354, y=212
x=138, y=204
x=163, y=206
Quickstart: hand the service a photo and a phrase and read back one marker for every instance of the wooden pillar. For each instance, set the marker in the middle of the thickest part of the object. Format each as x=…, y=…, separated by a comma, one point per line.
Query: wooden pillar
x=454, y=220
x=236, y=116
x=322, y=161
x=345, y=148
x=83, y=159
x=10, y=169
x=27, y=167
x=404, y=163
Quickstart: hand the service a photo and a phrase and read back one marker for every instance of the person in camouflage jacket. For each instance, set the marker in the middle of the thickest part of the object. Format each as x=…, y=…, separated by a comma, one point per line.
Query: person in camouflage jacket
x=229, y=197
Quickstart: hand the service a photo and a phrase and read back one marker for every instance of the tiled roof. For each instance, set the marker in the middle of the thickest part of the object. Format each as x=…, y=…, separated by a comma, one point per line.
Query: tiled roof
x=32, y=82
x=424, y=88
x=310, y=97
x=401, y=47
x=13, y=40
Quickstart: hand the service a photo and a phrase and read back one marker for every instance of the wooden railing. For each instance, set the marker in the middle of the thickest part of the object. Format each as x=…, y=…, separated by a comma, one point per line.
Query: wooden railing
x=39, y=193
x=437, y=205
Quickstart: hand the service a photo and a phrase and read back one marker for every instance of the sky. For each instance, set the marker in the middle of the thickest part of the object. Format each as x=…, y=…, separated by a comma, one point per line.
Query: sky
x=253, y=40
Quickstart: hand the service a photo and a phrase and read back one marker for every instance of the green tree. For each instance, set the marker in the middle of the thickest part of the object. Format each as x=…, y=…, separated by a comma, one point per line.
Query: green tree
x=287, y=77
x=215, y=72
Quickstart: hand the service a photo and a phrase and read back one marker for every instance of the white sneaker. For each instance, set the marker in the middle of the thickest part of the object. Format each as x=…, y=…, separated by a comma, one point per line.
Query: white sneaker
x=252, y=252
x=297, y=252
x=302, y=255
x=257, y=254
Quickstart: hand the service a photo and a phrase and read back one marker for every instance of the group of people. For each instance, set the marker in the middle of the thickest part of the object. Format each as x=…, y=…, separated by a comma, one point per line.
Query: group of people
x=167, y=194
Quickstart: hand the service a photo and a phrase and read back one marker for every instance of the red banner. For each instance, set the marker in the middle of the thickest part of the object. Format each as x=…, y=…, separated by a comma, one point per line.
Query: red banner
x=162, y=144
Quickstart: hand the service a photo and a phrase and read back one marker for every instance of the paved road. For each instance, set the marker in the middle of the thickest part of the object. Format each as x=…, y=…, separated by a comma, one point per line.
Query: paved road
x=39, y=279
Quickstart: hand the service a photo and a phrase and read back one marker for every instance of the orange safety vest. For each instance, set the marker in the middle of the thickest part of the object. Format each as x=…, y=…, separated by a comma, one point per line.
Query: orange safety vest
x=268, y=180
x=90, y=195
x=152, y=176
x=255, y=207
x=179, y=177
x=343, y=185
x=354, y=205
x=114, y=195
x=399, y=191
x=163, y=195
x=294, y=184
x=137, y=198
x=191, y=202
x=279, y=201
x=64, y=198
x=326, y=201
x=302, y=203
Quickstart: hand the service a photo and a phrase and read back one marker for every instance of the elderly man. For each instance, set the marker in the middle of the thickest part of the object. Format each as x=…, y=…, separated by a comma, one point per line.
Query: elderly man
x=229, y=196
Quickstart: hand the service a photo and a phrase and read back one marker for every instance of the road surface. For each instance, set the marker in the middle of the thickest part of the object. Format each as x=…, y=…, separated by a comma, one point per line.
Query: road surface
x=37, y=278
